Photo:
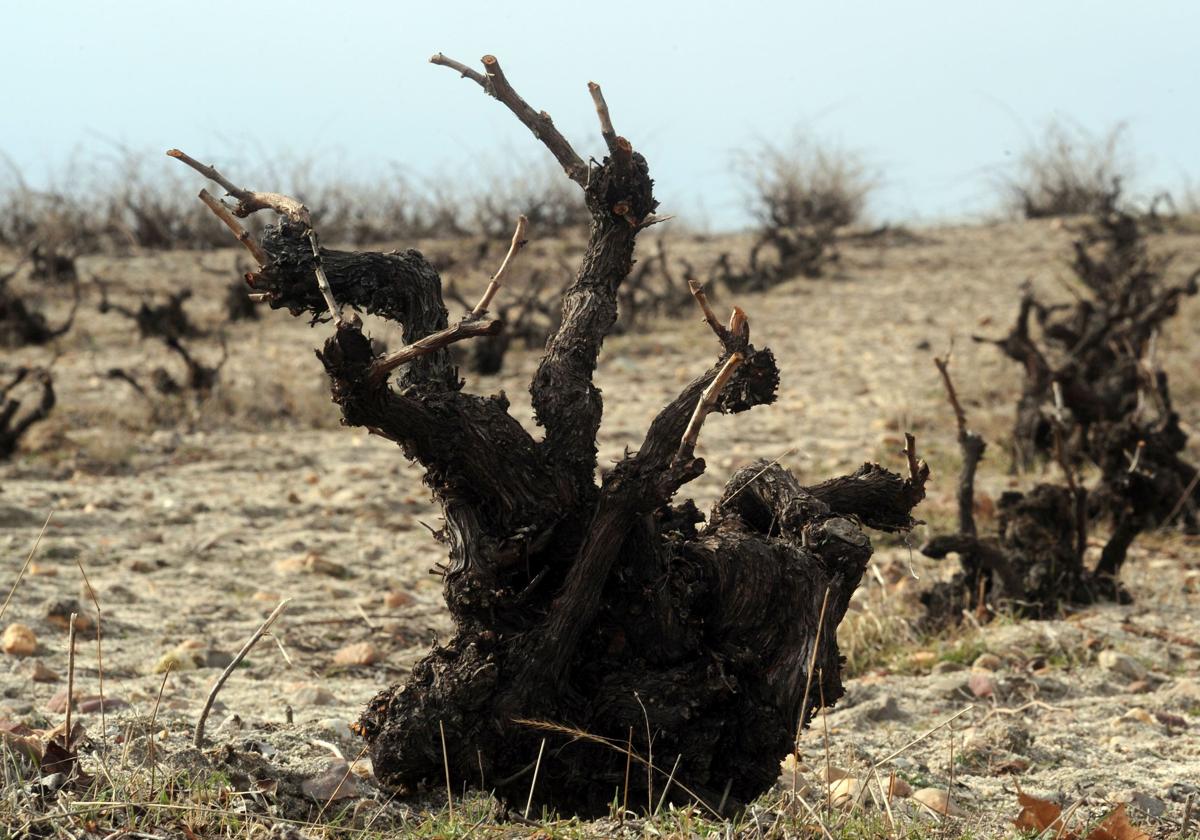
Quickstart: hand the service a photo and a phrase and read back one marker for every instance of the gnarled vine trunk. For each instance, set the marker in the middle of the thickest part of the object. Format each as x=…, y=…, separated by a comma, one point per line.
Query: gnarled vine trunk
x=597, y=622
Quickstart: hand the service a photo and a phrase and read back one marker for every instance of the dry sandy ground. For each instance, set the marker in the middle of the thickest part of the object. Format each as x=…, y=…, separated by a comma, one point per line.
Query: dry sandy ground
x=192, y=532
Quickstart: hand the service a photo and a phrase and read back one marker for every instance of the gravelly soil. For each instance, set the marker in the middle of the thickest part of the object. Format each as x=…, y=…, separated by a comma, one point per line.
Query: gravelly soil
x=193, y=531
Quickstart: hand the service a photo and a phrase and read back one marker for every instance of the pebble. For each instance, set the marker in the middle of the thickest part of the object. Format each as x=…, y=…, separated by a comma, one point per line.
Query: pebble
x=312, y=563
x=1144, y=802
x=312, y=695
x=988, y=662
x=948, y=667
x=40, y=673
x=844, y=793
x=937, y=800
x=922, y=658
x=396, y=599
x=832, y=774
x=18, y=640
x=885, y=708
x=950, y=686
x=58, y=612
x=190, y=655
x=359, y=653
x=1122, y=664
x=898, y=788
x=981, y=683
x=337, y=727
x=84, y=703
x=337, y=782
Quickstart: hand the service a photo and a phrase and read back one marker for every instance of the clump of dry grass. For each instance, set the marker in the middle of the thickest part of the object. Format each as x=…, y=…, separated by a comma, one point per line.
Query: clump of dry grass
x=801, y=194
x=1068, y=171
x=130, y=200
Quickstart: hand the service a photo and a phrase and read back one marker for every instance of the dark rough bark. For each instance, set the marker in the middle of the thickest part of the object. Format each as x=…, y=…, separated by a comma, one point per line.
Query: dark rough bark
x=1092, y=393
x=15, y=422
x=1034, y=564
x=588, y=610
x=238, y=305
x=169, y=323
x=22, y=325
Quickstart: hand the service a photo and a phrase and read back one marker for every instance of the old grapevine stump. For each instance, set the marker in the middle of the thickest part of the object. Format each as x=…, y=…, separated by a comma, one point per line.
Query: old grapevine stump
x=599, y=625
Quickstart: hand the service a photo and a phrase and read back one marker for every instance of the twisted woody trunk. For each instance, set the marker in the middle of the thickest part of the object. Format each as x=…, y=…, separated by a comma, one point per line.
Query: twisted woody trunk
x=599, y=624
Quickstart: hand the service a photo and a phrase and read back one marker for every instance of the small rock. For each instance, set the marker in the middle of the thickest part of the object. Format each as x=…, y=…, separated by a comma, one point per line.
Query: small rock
x=1171, y=720
x=40, y=673
x=96, y=703
x=884, y=708
x=938, y=801
x=988, y=662
x=337, y=782
x=191, y=655
x=40, y=570
x=312, y=695
x=58, y=612
x=1139, y=714
x=231, y=723
x=844, y=793
x=898, y=788
x=947, y=666
x=1138, y=687
x=338, y=727
x=84, y=703
x=395, y=599
x=267, y=597
x=360, y=653
x=922, y=658
x=950, y=687
x=1144, y=802
x=1122, y=664
x=311, y=563
x=830, y=774
x=981, y=683
x=18, y=640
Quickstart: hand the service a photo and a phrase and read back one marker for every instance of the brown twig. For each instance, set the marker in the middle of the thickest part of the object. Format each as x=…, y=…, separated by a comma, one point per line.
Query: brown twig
x=539, y=123
x=606, y=127
x=226, y=215
x=708, y=401
x=198, y=738
x=434, y=341
x=518, y=242
x=1187, y=493
x=99, y=661
x=710, y=317
x=153, y=721
x=960, y=416
x=249, y=201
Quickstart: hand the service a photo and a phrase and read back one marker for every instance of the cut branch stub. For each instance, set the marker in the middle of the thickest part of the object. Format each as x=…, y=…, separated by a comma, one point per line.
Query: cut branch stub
x=249, y=201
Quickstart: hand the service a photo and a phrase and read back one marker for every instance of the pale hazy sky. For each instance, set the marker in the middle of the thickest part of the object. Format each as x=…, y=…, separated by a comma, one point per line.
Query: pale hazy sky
x=937, y=95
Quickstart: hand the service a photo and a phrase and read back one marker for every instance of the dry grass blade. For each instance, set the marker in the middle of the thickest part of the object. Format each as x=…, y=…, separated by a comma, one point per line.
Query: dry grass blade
x=25, y=567
x=198, y=738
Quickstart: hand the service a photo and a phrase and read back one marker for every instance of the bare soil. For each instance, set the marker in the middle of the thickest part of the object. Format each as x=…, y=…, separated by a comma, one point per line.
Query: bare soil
x=194, y=524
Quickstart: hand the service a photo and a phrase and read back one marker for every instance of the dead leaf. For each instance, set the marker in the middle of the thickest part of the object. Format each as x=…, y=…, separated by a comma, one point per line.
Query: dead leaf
x=1041, y=814
x=1116, y=826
